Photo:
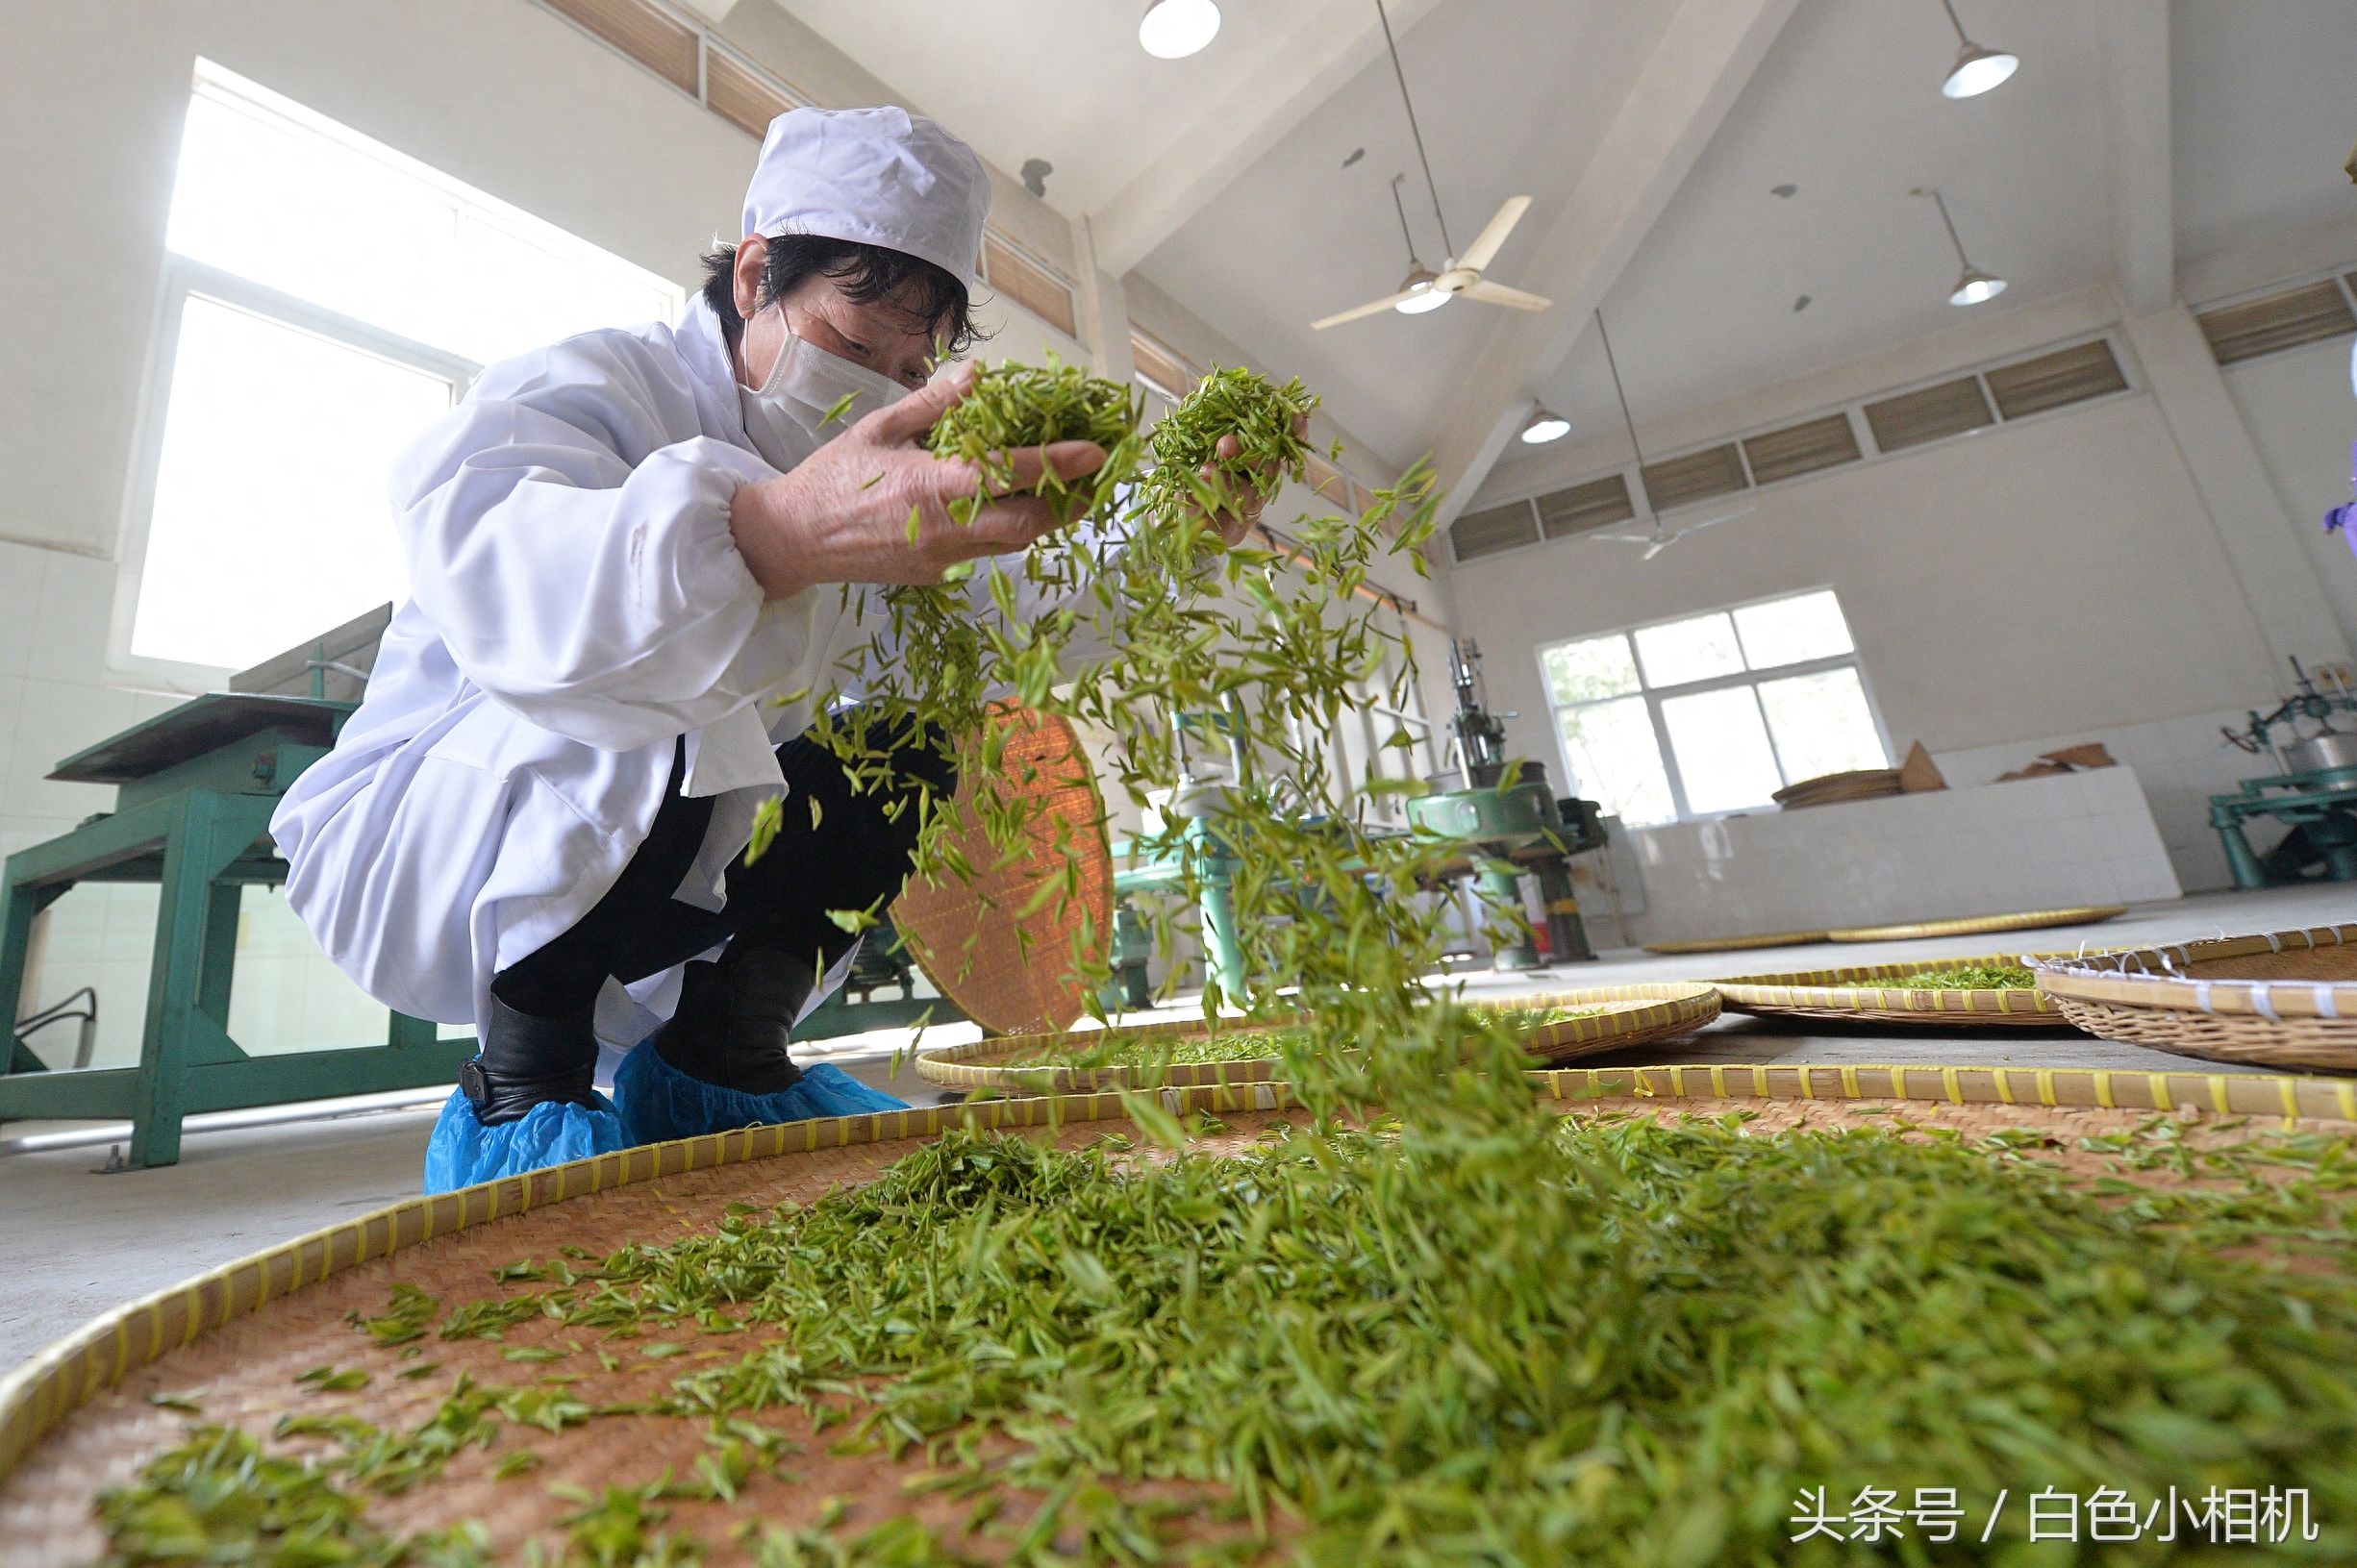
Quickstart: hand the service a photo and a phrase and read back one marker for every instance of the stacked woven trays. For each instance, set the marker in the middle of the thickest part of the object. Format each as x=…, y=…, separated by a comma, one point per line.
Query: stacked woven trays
x=2281, y=998
x=1608, y=1018
x=1866, y=993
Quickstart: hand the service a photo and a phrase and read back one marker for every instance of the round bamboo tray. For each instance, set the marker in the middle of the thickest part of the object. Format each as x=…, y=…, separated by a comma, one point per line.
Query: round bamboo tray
x=1736, y=944
x=82, y=1416
x=2279, y=999
x=1980, y=924
x=1852, y=995
x=1627, y=1015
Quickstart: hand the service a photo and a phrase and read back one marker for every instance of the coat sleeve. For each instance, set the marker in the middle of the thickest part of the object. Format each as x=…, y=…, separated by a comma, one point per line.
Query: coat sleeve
x=580, y=567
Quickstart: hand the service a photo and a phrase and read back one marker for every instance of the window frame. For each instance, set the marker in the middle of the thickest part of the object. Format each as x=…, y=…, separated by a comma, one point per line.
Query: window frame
x=183, y=278
x=1654, y=696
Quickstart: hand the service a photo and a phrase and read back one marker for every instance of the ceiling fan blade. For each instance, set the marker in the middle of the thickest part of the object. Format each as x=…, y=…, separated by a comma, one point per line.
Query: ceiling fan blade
x=1623, y=538
x=1485, y=244
x=1658, y=546
x=1373, y=307
x=1497, y=293
x=1714, y=522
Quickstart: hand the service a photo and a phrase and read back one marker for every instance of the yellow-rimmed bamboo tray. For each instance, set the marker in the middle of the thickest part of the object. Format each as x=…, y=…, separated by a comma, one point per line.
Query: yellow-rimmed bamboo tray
x=1736, y=944
x=1981, y=925
x=1626, y=1016
x=76, y=1418
x=2277, y=999
x=1852, y=995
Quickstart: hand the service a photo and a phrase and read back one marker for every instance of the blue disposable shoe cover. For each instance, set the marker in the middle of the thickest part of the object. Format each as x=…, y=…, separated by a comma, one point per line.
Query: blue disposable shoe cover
x=463, y=1151
x=659, y=1103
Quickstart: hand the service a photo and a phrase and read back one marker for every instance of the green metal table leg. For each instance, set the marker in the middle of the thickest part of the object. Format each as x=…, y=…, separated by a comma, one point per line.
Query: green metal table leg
x=205, y=831
x=1223, y=951
x=218, y=964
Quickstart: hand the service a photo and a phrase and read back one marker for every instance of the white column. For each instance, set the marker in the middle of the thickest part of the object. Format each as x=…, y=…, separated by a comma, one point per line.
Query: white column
x=1104, y=310
x=2278, y=584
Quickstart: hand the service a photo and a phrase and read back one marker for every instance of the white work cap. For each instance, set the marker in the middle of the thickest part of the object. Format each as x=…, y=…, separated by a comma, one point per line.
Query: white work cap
x=878, y=176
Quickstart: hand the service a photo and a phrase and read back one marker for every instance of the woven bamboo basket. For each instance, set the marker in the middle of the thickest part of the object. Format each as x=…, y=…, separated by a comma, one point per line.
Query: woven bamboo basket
x=2279, y=999
x=1001, y=946
x=81, y=1417
x=1737, y=944
x=1981, y=925
x=1852, y=995
x=1625, y=1015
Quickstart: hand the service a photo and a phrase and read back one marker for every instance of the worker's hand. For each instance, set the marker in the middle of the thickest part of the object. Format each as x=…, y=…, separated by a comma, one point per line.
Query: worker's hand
x=843, y=515
x=1241, y=511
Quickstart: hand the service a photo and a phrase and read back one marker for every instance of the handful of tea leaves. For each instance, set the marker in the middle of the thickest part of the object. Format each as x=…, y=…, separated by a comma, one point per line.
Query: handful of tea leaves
x=1013, y=406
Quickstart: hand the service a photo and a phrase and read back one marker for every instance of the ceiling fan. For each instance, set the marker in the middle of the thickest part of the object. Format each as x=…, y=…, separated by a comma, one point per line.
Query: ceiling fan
x=1424, y=289
x=1657, y=537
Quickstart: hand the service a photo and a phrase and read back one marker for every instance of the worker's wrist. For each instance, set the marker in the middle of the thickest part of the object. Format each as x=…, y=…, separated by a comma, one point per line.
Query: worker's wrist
x=766, y=541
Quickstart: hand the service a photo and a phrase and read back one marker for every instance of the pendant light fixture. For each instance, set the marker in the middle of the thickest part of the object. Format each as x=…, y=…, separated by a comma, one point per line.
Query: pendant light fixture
x=1545, y=425
x=1416, y=288
x=1976, y=70
x=1174, y=29
x=1972, y=285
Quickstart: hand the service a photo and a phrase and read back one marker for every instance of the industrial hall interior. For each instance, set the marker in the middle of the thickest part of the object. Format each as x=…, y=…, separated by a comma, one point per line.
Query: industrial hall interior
x=897, y=785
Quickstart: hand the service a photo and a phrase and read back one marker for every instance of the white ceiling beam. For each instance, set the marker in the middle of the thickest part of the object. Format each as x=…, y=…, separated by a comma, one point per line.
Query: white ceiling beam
x=2133, y=36
x=1334, y=41
x=1706, y=56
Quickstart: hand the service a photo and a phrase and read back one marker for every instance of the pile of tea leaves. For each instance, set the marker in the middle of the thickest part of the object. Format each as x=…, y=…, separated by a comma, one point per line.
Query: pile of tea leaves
x=1430, y=1322
x=2010, y=977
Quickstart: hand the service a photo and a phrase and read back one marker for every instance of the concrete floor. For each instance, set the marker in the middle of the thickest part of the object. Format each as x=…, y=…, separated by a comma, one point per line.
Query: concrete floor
x=77, y=1243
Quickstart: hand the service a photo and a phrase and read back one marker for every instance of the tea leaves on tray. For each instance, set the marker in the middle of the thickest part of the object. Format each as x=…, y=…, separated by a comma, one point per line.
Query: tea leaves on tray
x=2011, y=977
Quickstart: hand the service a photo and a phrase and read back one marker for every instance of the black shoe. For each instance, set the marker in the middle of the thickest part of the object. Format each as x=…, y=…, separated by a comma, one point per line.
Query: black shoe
x=734, y=1020
x=526, y=1062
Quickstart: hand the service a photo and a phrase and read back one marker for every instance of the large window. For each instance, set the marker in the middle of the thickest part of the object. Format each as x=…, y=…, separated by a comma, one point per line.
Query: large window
x=1712, y=713
x=326, y=296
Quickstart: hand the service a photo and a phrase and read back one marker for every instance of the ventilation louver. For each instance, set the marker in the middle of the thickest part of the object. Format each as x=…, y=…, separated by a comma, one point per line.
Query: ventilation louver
x=741, y=95
x=647, y=35
x=2276, y=322
x=2053, y=381
x=1161, y=369
x=1479, y=534
x=1599, y=503
x=1696, y=476
x=1029, y=284
x=1913, y=418
x=1801, y=449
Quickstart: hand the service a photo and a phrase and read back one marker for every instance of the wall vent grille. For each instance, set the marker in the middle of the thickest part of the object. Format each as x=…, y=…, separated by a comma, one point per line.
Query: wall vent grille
x=1930, y=413
x=1031, y=283
x=2056, y=381
x=741, y=96
x=1696, y=476
x=1488, y=531
x=1599, y=503
x=647, y=34
x=1801, y=449
x=2275, y=322
x=1163, y=370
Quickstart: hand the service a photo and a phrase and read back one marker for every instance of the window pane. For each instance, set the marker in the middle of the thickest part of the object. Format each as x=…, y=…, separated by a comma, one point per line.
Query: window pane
x=1788, y=631
x=1722, y=751
x=1616, y=763
x=271, y=521
x=271, y=191
x=1581, y=672
x=1683, y=651
x=1821, y=724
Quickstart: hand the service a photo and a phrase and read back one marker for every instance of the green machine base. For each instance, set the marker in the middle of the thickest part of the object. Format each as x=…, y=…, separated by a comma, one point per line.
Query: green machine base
x=195, y=788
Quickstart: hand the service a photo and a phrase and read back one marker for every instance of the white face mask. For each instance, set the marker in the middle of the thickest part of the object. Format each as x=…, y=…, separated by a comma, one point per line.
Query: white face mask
x=785, y=414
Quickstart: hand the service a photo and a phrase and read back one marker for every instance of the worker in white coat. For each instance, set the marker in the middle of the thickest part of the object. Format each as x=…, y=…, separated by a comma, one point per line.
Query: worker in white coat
x=625, y=552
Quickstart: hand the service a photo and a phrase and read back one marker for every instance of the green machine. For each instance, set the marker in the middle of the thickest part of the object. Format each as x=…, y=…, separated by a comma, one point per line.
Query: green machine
x=2315, y=797
x=194, y=790
x=1509, y=821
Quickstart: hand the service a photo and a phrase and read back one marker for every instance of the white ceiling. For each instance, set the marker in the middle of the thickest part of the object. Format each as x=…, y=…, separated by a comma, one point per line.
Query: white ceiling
x=1064, y=80
x=1299, y=236
x=1515, y=97
x=2264, y=98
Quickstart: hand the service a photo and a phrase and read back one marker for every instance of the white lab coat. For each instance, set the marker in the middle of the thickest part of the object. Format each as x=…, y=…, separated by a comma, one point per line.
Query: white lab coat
x=577, y=603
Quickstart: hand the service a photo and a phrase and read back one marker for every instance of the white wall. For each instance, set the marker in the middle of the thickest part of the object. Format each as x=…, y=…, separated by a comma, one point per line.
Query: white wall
x=2054, y=578
x=2302, y=415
